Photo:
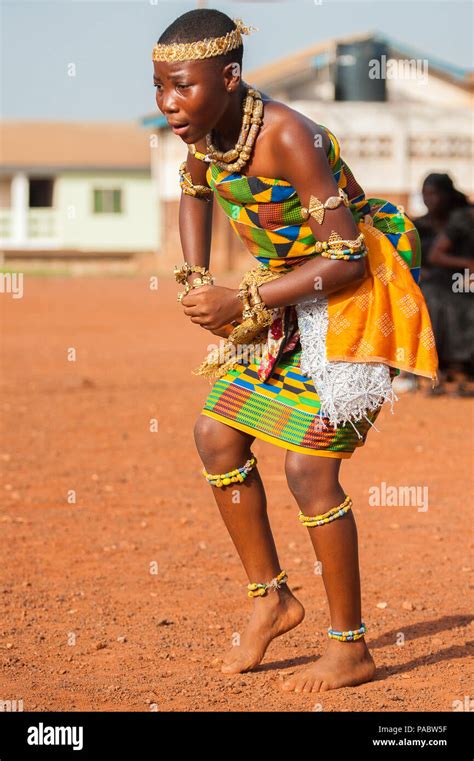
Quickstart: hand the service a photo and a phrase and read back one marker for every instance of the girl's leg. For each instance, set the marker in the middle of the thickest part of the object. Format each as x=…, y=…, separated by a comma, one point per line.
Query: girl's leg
x=243, y=508
x=314, y=482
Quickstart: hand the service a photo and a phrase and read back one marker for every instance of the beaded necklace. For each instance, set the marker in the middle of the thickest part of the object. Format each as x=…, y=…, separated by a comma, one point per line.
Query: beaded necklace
x=235, y=159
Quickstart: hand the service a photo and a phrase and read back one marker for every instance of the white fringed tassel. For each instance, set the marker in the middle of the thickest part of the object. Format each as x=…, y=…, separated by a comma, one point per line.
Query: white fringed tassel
x=347, y=390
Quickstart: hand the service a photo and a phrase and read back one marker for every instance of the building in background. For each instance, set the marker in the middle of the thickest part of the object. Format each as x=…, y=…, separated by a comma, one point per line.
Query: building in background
x=77, y=191
x=397, y=120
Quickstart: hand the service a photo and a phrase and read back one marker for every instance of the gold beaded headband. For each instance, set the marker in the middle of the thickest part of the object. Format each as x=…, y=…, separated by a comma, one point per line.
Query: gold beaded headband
x=210, y=46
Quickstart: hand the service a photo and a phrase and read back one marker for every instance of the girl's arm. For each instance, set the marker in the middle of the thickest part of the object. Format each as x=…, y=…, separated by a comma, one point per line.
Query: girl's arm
x=301, y=154
x=195, y=220
x=195, y=230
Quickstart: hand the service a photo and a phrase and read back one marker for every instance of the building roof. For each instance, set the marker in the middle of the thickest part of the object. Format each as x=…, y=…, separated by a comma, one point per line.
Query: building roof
x=55, y=145
x=154, y=120
x=289, y=69
x=319, y=54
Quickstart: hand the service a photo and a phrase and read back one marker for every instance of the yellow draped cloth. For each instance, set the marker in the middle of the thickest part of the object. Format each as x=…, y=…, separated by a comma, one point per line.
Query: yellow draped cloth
x=384, y=318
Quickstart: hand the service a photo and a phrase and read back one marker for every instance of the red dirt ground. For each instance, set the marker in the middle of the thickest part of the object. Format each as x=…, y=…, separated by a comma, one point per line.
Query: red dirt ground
x=77, y=577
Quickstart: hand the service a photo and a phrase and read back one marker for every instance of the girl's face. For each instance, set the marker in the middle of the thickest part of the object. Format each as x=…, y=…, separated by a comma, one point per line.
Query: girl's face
x=190, y=94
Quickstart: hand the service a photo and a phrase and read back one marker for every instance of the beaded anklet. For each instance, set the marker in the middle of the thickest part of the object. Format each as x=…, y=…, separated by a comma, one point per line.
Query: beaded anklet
x=348, y=636
x=331, y=515
x=234, y=476
x=258, y=590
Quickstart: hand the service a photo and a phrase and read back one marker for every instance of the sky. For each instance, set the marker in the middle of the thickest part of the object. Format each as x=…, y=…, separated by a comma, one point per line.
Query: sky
x=86, y=60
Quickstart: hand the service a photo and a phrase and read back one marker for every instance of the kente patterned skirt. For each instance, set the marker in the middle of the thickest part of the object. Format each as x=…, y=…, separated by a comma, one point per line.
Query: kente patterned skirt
x=283, y=410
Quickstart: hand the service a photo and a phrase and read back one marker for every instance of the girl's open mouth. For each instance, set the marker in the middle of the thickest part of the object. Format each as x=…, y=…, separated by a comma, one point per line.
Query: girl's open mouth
x=180, y=130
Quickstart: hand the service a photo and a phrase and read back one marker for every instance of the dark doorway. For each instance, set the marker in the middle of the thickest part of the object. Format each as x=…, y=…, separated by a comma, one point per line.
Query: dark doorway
x=41, y=192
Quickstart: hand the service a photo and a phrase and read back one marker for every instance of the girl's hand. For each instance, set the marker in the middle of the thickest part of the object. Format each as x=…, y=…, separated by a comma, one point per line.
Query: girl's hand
x=212, y=306
x=223, y=332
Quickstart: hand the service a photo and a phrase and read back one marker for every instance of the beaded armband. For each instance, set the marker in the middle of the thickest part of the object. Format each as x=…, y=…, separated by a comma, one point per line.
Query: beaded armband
x=317, y=209
x=338, y=248
x=187, y=186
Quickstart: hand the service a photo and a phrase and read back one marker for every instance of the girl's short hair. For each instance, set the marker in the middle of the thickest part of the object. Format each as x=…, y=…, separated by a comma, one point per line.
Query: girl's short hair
x=199, y=24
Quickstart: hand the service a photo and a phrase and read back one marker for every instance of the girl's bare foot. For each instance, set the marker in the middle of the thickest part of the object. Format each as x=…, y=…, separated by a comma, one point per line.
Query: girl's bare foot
x=273, y=614
x=344, y=664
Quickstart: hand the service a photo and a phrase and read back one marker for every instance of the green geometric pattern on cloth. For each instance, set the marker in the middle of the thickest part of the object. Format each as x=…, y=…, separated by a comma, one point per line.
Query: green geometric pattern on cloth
x=266, y=215
x=284, y=408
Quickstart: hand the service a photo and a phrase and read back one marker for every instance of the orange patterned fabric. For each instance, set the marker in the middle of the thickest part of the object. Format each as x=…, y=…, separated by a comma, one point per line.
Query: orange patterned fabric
x=384, y=319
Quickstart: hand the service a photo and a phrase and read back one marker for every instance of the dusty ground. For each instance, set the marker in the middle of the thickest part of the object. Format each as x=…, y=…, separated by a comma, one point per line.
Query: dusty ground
x=78, y=577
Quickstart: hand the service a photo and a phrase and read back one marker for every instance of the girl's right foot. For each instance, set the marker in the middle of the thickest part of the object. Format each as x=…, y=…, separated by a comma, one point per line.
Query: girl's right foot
x=344, y=664
x=273, y=614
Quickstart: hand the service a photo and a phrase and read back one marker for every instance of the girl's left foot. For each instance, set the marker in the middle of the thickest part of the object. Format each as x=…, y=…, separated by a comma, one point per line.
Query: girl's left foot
x=344, y=664
x=272, y=615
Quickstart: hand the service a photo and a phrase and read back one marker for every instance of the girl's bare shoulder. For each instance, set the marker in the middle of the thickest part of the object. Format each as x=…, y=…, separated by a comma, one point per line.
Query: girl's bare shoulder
x=282, y=119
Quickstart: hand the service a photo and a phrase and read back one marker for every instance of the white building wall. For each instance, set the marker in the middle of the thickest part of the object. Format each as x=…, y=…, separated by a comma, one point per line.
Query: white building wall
x=418, y=138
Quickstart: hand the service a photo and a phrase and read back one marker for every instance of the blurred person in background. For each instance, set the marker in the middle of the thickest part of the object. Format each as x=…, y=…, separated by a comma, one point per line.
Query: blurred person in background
x=447, y=241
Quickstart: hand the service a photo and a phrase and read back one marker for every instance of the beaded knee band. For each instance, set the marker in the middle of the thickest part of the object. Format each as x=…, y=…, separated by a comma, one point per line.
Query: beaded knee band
x=233, y=476
x=258, y=590
x=347, y=636
x=331, y=515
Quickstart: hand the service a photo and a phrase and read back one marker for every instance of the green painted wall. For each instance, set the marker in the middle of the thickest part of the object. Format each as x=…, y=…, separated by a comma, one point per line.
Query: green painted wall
x=77, y=226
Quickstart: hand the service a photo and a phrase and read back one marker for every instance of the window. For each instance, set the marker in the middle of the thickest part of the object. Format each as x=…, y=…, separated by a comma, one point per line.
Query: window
x=107, y=201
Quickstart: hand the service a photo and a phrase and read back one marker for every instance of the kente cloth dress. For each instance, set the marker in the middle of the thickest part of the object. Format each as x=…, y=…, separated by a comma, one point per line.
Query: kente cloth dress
x=382, y=320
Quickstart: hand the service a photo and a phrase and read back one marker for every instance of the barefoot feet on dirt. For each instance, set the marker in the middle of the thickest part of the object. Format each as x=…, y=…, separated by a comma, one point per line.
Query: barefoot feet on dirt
x=273, y=614
x=344, y=664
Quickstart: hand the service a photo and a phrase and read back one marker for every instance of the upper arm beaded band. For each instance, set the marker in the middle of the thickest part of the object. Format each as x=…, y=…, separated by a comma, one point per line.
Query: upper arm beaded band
x=317, y=209
x=337, y=248
x=203, y=192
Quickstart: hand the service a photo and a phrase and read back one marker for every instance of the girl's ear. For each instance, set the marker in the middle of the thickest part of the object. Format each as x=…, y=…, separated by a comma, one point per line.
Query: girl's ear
x=232, y=76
